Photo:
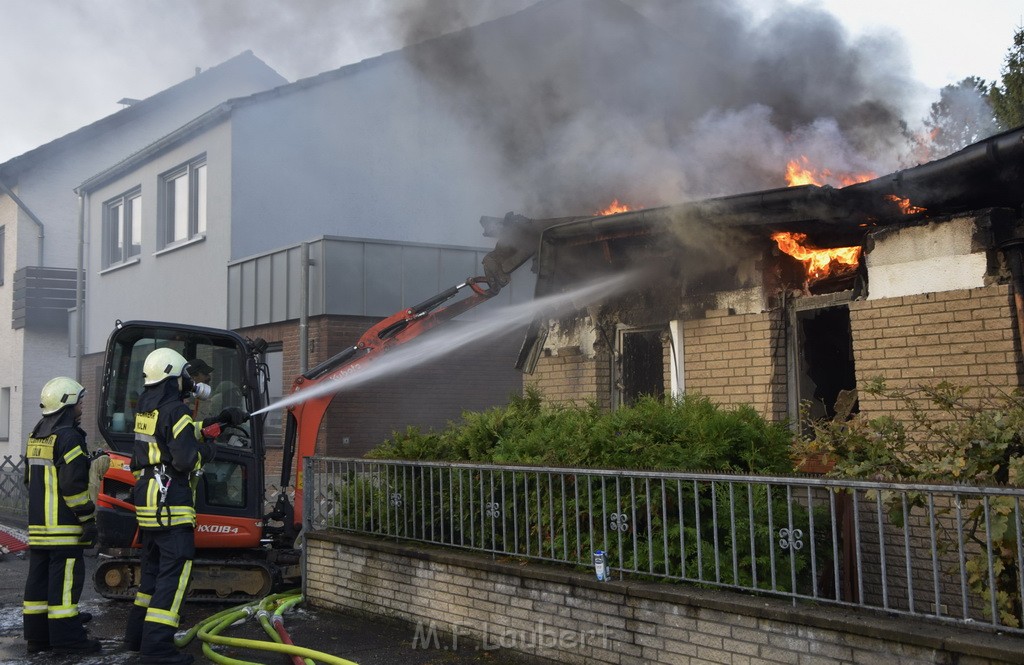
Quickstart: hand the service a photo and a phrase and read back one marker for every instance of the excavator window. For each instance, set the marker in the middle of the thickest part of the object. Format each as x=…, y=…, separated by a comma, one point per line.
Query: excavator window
x=224, y=484
x=125, y=378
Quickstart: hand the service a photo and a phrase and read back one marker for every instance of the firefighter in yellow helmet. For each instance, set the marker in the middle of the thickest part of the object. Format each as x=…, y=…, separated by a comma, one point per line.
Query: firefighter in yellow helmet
x=168, y=450
x=61, y=523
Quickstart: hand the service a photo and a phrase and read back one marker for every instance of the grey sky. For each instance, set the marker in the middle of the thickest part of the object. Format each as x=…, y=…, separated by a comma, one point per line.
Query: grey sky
x=68, y=62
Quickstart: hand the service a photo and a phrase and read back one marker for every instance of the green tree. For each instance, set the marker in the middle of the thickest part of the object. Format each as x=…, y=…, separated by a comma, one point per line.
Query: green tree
x=1008, y=99
x=962, y=116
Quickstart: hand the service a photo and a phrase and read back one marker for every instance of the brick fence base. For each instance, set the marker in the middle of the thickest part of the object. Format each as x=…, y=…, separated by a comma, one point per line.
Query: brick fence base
x=567, y=616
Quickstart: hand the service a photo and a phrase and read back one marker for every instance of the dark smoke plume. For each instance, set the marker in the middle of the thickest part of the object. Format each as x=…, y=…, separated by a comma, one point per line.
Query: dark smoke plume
x=659, y=101
x=649, y=101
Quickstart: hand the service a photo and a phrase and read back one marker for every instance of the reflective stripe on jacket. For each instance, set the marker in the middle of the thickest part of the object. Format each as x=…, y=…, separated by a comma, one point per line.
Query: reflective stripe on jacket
x=166, y=452
x=57, y=475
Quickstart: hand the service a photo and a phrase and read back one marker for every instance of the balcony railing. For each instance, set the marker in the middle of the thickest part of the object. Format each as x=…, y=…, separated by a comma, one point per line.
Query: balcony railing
x=43, y=296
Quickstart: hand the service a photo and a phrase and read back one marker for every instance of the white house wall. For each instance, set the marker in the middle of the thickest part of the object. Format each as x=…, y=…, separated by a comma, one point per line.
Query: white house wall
x=46, y=356
x=48, y=187
x=186, y=284
x=10, y=349
x=368, y=154
x=935, y=257
x=45, y=182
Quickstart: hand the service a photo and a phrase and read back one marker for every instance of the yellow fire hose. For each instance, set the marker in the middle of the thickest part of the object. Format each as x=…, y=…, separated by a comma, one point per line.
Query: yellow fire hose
x=269, y=612
x=271, y=618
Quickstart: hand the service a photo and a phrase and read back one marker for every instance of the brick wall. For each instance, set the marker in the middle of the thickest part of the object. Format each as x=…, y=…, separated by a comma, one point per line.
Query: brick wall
x=327, y=336
x=733, y=359
x=454, y=598
x=922, y=584
x=572, y=377
x=92, y=370
x=966, y=337
x=737, y=359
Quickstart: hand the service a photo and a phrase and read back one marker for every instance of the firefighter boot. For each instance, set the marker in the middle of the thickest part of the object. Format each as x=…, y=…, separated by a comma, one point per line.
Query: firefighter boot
x=86, y=646
x=133, y=633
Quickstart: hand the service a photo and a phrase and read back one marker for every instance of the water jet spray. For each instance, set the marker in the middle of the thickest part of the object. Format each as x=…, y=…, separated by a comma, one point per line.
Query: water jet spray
x=424, y=349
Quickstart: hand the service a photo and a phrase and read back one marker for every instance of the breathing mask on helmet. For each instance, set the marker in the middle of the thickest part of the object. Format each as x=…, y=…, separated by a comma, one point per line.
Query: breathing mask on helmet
x=191, y=389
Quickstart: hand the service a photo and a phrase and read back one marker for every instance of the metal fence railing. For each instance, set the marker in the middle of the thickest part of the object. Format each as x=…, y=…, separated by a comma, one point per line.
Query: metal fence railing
x=13, y=493
x=946, y=552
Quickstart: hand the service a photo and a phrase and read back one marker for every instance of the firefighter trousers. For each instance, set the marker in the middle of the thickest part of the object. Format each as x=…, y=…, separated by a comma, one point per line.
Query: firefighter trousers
x=166, y=562
x=55, y=580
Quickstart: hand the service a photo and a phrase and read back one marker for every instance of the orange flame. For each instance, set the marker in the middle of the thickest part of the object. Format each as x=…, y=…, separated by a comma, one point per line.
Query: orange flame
x=904, y=205
x=819, y=263
x=799, y=172
x=614, y=208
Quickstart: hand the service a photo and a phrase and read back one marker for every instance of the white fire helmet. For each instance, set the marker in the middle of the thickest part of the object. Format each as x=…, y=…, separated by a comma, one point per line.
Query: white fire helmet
x=58, y=393
x=162, y=364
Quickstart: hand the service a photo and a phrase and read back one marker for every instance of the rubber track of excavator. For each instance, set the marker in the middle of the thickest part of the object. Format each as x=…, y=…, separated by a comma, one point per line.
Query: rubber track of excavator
x=207, y=574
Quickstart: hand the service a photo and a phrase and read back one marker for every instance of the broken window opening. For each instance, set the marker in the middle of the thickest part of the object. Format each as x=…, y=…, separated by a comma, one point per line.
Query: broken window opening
x=823, y=371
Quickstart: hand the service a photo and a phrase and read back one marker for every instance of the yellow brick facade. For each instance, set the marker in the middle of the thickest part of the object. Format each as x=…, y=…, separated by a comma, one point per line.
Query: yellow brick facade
x=738, y=359
x=966, y=337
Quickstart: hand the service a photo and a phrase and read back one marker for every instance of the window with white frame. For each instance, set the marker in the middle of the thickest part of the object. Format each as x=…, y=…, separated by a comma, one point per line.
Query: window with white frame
x=183, y=203
x=122, y=228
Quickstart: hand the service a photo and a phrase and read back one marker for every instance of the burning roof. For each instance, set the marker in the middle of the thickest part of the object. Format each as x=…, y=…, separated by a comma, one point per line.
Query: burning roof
x=988, y=174
x=701, y=240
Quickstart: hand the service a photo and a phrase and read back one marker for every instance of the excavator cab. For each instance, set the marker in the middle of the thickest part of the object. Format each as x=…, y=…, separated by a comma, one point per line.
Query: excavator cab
x=230, y=488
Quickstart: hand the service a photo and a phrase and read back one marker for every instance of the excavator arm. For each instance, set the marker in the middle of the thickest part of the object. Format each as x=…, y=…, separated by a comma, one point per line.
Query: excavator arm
x=517, y=241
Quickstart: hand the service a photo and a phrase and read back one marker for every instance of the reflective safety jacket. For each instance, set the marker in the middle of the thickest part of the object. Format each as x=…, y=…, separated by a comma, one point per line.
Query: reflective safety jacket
x=57, y=475
x=166, y=454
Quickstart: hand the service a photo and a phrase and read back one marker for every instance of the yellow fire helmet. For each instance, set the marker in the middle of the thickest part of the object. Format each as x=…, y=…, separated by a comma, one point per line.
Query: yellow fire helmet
x=161, y=364
x=58, y=393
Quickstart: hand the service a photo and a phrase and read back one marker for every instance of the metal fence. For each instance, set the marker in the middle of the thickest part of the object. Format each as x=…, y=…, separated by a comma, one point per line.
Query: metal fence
x=946, y=552
x=13, y=493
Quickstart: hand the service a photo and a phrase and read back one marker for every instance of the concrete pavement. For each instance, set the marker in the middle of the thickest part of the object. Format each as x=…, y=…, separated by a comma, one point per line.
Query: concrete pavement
x=363, y=640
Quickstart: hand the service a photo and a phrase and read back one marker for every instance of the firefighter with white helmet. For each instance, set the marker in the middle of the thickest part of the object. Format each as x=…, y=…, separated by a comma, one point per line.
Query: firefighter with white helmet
x=168, y=451
x=61, y=523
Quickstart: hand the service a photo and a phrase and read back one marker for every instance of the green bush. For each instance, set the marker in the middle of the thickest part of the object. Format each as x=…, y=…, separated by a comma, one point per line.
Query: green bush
x=689, y=433
x=674, y=526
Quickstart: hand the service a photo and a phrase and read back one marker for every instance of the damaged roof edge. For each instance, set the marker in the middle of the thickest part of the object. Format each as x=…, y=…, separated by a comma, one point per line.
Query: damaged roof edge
x=986, y=174
x=981, y=175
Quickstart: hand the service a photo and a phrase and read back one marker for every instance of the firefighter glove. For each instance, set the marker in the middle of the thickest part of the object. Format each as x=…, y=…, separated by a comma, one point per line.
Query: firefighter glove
x=232, y=415
x=89, y=533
